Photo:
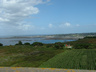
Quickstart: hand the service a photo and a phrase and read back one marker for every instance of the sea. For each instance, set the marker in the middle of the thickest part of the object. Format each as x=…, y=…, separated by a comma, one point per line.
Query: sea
x=6, y=41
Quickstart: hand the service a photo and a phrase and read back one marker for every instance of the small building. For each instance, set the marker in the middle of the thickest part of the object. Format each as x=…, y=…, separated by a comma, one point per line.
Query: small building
x=67, y=46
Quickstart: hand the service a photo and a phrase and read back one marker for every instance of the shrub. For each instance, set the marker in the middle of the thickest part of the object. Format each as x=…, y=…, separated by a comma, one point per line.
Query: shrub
x=50, y=45
x=37, y=44
x=82, y=46
x=1, y=44
x=90, y=37
x=92, y=46
x=27, y=43
x=58, y=45
x=19, y=43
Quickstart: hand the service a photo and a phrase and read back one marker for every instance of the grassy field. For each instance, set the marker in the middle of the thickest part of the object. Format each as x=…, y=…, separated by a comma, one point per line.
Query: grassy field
x=82, y=56
x=73, y=59
x=25, y=56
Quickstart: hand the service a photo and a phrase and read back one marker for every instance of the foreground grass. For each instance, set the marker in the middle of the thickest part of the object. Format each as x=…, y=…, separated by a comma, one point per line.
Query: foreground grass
x=73, y=59
x=25, y=56
x=41, y=56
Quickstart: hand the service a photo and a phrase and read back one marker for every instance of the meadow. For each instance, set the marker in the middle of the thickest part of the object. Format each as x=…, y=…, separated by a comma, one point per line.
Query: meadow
x=25, y=56
x=73, y=59
x=82, y=55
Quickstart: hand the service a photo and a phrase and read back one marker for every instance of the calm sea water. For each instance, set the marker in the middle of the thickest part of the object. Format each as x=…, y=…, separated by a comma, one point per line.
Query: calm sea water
x=13, y=41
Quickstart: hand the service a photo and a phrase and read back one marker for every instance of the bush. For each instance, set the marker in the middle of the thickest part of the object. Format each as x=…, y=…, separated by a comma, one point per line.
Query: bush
x=92, y=46
x=50, y=45
x=58, y=45
x=19, y=43
x=82, y=46
x=90, y=37
x=1, y=44
x=27, y=43
x=37, y=44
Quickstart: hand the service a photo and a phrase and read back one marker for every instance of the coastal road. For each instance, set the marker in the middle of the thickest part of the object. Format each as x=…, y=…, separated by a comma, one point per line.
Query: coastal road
x=29, y=69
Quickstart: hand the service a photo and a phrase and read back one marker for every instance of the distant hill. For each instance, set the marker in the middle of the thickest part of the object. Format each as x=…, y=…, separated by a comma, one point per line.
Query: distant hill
x=71, y=36
x=74, y=36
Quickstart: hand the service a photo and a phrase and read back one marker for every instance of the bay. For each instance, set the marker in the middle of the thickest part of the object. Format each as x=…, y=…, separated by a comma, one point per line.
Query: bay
x=13, y=41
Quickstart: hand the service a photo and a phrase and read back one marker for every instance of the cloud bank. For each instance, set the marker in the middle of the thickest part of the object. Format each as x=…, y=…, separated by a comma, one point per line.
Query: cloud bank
x=13, y=12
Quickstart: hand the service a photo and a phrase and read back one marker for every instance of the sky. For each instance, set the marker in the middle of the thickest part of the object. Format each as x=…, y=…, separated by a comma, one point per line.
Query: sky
x=31, y=17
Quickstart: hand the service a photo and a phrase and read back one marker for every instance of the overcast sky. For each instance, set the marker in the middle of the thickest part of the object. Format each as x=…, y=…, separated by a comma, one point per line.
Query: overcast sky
x=29, y=17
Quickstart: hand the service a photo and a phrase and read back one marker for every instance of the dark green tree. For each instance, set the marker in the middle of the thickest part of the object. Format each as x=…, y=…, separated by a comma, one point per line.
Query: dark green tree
x=1, y=44
x=19, y=43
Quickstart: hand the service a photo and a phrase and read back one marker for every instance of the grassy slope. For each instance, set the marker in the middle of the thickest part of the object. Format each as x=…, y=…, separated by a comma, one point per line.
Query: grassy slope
x=25, y=56
x=73, y=59
x=85, y=40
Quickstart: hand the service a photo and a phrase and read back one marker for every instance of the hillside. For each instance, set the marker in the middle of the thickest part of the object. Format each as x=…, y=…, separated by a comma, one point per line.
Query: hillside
x=25, y=56
x=82, y=55
x=73, y=59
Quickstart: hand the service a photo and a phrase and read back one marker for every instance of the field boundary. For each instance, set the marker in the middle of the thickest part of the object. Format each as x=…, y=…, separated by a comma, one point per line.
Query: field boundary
x=29, y=69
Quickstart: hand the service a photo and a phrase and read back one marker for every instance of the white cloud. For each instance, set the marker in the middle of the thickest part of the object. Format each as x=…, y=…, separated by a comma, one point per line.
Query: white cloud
x=67, y=24
x=3, y=20
x=50, y=25
x=13, y=12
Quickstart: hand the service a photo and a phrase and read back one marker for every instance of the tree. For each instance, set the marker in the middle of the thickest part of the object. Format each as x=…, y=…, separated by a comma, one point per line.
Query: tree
x=19, y=43
x=1, y=44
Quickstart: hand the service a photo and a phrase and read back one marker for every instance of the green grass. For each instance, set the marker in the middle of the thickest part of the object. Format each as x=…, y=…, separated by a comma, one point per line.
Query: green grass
x=48, y=56
x=73, y=59
x=25, y=56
